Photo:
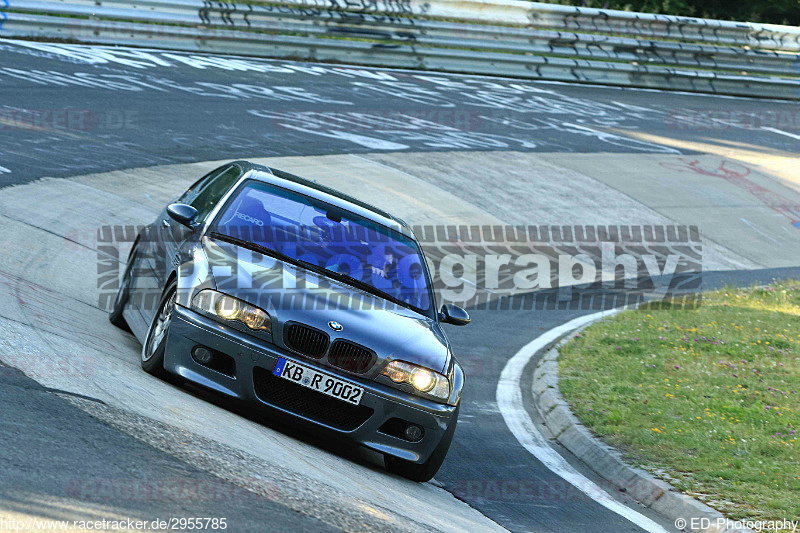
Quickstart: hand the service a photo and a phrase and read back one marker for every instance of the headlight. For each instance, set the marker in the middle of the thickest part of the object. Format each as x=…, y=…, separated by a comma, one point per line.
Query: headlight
x=423, y=380
x=420, y=378
x=230, y=309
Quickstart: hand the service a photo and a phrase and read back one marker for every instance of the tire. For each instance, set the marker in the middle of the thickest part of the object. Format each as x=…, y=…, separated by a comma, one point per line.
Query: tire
x=123, y=293
x=425, y=471
x=155, y=344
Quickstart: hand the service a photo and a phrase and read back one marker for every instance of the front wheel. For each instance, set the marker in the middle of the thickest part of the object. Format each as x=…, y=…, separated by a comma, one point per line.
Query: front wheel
x=425, y=471
x=156, y=343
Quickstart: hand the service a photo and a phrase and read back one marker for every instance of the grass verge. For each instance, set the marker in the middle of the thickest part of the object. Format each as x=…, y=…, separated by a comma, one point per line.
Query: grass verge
x=707, y=399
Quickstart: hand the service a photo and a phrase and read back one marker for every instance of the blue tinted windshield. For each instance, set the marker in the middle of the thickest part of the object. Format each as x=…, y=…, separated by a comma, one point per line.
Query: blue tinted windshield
x=326, y=236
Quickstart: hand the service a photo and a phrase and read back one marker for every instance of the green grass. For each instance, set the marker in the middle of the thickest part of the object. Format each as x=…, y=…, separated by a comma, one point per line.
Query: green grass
x=707, y=399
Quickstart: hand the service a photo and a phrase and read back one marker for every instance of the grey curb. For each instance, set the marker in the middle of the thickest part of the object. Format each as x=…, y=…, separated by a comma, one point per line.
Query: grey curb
x=607, y=462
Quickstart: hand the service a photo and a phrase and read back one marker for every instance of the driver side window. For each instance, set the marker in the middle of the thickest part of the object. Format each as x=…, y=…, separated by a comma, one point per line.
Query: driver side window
x=191, y=193
x=209, y=190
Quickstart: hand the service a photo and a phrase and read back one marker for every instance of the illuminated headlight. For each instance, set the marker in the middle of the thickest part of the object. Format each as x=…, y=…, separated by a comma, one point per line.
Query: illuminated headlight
x=230, y=309
x=420, y=378
x=423, y=380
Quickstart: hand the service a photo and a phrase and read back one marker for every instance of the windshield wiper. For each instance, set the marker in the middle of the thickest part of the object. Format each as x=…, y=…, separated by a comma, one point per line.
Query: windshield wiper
x=250, y=245
x=366, y=287
x=338, y=276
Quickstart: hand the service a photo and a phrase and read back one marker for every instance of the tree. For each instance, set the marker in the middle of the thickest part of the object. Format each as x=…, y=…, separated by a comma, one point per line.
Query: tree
x=772, y=12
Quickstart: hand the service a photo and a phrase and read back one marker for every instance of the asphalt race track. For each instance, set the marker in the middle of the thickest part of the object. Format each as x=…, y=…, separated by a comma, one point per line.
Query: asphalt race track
x=134, y=108
x=95, y=135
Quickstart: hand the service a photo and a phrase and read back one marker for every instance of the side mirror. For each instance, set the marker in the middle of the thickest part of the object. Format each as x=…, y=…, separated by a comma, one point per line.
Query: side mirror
x=453, y=314
x=182, y=214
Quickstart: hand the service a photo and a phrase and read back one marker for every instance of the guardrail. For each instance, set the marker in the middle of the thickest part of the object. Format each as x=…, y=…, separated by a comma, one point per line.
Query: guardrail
x=494, y=37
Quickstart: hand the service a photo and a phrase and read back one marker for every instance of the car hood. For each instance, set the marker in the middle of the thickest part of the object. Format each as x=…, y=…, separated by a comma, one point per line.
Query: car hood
x=279, y=288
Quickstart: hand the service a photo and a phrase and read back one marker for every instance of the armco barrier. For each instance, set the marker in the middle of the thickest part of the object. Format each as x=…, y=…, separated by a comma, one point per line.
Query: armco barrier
x=495, y=37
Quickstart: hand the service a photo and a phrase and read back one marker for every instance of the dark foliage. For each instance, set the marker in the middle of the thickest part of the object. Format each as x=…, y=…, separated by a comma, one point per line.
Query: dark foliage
x=772, y=11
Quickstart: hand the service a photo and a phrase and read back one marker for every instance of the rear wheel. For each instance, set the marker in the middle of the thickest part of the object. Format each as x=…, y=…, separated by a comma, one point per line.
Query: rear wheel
x=156, y=343
x=123, y=293
x=425, y=471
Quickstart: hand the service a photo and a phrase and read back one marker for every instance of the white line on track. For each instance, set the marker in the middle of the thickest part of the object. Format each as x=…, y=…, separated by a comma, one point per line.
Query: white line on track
x=781, y=132
x=509, y=400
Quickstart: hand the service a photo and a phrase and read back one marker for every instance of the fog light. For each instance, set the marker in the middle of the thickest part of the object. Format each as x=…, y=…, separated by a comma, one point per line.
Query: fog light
x=202, y=355
x=413, y=433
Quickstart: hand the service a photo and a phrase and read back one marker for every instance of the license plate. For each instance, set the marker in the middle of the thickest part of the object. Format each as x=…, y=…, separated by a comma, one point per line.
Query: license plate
x=324, y=383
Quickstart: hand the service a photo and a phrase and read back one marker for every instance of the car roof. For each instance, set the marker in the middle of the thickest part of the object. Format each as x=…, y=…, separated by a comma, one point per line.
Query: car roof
x=321, y=192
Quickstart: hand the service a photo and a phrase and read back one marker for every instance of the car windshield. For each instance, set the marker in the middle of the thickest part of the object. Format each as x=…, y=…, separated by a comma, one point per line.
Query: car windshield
x=310, y=231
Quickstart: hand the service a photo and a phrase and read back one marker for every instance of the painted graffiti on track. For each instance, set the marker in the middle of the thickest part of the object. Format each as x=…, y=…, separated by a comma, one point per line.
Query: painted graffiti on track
x=117, y=108
x=121, y=108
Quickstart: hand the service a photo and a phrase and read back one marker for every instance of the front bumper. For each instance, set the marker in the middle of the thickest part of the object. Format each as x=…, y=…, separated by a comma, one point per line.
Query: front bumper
x=254, y=360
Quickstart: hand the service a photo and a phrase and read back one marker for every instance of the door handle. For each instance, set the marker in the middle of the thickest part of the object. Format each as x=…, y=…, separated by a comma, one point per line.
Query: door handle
x=165, y=223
